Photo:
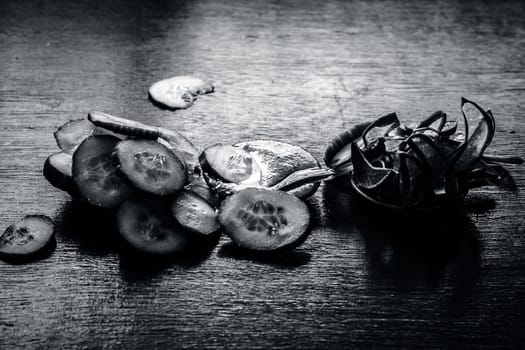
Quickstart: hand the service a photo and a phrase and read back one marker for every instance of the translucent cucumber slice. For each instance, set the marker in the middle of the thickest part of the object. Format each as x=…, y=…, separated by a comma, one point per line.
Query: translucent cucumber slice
x=195, y=214
x=95, y=174
x=57, y=170
x=265, y=220
x=150, y=166
x=230, y=164
x=70, y=135
x=149, y=228
x=28, y=239
x=177, y=92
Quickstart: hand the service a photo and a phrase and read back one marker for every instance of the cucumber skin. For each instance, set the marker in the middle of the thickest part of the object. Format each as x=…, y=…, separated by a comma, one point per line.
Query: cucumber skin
x=59, y=180
x=40, y=254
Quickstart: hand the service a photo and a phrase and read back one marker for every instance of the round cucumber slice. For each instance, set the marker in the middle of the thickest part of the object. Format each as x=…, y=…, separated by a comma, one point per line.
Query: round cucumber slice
x=230, y=164
x=265, y=220
x=150, y=166
x=27, y=239
x=195, y=214
x=94, y=172
x=177, y=92
x=149, y=228
x=71, y=134
x=57, y=170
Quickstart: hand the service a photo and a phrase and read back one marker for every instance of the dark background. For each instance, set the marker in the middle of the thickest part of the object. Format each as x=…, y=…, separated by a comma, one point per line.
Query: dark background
x=296, y=71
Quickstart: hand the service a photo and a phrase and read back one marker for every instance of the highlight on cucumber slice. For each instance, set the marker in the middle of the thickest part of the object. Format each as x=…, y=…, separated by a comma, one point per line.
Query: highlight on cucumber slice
x=28, y=239
x=57, y=170
x=177, y=92
x=70, y=135
x=148, y=227
x=265, y=220
x=94, y=172
x=230, y=164
x=150, y=166
x=195, y=214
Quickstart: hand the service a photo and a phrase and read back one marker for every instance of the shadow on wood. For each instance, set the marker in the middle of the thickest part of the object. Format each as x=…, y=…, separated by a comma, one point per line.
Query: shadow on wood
x=410, y=248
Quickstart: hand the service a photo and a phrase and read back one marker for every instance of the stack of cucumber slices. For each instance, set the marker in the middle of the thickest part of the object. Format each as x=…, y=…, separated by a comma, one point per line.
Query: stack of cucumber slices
x=167, y=195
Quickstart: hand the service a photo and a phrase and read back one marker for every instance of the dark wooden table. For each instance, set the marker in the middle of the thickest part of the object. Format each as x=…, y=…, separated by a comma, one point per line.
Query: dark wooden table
x=297, y=71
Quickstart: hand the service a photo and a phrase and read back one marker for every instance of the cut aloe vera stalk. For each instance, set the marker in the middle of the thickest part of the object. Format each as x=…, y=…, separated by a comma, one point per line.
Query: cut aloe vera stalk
x=480, y=137
x=57, y=170
x=380, y=128
x=149, y=227
x=178, y=92
x=149, y=166
x=27, y=239
x=95, y=174
x=230, y=164
x=265, y=220
x=411, y=186
x=175, y=140
x=195, y=214
x=435, y=121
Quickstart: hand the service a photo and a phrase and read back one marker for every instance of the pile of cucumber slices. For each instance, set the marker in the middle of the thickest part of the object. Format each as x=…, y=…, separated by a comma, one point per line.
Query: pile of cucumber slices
x=166, y=194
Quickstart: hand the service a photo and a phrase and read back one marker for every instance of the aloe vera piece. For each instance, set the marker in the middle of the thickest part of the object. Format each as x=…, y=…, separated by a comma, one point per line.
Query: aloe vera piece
x=435, y=121
x=365, y=174
x=449, y=129
x=429, y=154
x=380, y=128
x=338, y=151
x=480, y=137
x=410, y=180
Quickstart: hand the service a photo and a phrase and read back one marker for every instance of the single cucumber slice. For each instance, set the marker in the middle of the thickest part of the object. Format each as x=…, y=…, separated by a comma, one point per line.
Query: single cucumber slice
x=200, y=188
x=230, y=164
x=94, y=172
x=150, y=166
x=57, y=170
x=149, y=228
x=265, y=220
x=70, y=135
x=195, y=214
x=27, y=239
x=177, y=92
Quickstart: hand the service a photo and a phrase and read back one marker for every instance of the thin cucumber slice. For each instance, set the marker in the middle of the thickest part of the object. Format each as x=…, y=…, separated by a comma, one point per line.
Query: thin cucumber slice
x=28, y=239
x=57, y=170
x=95, y=174
x=149, y=228
x=265, y=220
x=230, y=164
x=70, y=135
x=150, y=166
x=195, y=214
x=178, y=92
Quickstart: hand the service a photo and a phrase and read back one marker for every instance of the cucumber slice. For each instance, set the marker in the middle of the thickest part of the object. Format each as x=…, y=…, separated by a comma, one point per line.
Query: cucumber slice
x=230, y=164
x=195, y=214
x=265, y=220
x=94, y=172
x=149, y=228
x=150, y=166
x=177, y=92
x=70, y=135
x=57, y=170
x=28, y=239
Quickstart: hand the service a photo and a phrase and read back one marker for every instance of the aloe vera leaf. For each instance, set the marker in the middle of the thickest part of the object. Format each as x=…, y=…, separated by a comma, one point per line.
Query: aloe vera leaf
x=478, y=140
x=380, y=127
x=449, y=129
x=435, y=121
x=429, y=154
x=365, y=175
x=339, y=150
x=410, y=181
x=453, y=156
x=516, y=160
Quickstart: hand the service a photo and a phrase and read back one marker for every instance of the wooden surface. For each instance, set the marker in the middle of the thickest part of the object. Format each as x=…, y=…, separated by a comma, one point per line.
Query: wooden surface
x=296, y=71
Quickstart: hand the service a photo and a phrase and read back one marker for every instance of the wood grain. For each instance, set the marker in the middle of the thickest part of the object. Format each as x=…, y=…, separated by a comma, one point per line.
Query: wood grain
x=296, y=71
